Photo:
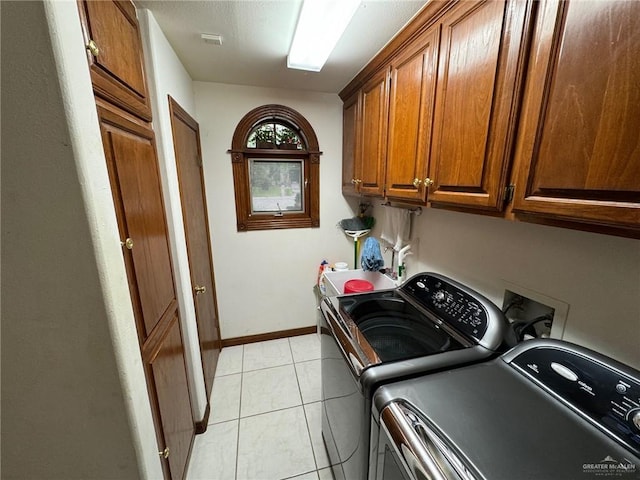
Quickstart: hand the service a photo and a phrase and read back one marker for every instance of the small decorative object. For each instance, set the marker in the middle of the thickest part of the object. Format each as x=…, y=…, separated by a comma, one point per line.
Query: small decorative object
x=264, y=138
x=288, y=139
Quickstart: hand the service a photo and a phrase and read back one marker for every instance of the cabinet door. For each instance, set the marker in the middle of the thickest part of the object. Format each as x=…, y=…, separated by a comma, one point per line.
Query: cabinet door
x=579, y=147
x=114, y=50
x=370, y=163
x=172, y=394
x=413, y=84
x=135, y=184
x=135, y=181
x=476, y=102
x=350, y=138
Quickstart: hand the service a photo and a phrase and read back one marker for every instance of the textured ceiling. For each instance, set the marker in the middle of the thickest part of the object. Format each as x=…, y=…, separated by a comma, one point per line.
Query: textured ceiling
x=256, y=38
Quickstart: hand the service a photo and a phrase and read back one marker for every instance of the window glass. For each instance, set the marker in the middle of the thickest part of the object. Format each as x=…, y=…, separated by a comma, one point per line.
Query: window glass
x=276, y=186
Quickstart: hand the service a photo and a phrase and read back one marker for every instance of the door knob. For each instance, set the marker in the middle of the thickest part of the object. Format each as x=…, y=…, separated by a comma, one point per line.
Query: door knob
x=164, y=453
x=128, y=243
x=200, y=289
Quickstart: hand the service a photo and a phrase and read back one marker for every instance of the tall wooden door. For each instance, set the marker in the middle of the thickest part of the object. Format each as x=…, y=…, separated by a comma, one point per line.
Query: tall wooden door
x=186, y=141
x=135, y=183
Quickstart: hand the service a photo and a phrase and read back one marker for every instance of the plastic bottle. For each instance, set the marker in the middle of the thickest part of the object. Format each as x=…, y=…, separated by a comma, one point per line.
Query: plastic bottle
x=321, y=270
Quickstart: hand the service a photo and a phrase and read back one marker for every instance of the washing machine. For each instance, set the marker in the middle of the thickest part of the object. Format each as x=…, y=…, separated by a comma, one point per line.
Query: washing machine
x=429, y=324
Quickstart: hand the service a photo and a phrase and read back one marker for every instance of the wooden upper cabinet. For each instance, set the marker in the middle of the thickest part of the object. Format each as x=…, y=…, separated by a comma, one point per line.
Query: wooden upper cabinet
x=350, y=135
x=371, y=151
x=477, y=100
x=579, y=149
x=114, y=49
x=411, y=99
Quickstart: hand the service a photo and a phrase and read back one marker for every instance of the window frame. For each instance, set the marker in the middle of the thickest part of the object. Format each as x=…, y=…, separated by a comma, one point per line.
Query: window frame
x=241, y=156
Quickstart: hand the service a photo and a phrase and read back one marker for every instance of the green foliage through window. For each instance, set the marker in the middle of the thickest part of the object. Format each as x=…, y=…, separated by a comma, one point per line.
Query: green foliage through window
x=275, y=135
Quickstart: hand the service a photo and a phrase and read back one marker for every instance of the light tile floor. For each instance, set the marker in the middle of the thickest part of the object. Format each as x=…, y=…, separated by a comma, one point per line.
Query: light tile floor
x=265, y=421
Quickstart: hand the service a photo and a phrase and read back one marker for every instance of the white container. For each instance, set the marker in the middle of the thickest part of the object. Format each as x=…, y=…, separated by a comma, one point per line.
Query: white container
x=341, y=266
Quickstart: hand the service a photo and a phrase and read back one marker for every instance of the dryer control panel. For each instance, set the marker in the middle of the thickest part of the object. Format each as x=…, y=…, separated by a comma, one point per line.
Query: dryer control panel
x=606, y=395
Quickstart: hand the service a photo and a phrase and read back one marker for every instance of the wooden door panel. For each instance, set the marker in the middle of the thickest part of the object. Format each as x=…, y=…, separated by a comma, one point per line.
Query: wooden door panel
x=580, y=148
x=142, y=200
x=370, y=166
x=589, y=139
x=186, y=139
x=413, y=83
x=131, y=150
x=170, y=379
x=117, y=67
x=350, y=138
x=476, y=102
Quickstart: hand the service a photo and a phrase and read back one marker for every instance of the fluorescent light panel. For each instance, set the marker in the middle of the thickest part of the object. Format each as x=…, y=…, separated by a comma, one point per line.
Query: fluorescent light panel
x=320, y=26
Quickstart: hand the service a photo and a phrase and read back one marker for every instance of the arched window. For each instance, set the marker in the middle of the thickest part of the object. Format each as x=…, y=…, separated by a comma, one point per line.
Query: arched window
x=276, y=170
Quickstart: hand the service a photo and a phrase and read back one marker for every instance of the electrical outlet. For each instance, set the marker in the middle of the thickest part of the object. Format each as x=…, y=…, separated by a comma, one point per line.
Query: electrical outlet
x=523, y=305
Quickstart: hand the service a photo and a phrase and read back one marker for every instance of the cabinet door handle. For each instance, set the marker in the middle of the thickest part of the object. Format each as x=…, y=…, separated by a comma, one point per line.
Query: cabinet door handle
x=417, y=182
x=428, y=182
x=200, y=289
x=93, y=48
x=128, y=243
x=164, y=453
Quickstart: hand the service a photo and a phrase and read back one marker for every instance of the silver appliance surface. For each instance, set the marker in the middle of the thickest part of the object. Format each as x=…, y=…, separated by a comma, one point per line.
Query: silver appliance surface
x=430, y=324
x=545, y=410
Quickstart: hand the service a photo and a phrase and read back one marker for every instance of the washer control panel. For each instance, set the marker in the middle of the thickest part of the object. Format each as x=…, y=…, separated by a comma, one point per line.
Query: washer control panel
x=610, y=398
x=449, y=302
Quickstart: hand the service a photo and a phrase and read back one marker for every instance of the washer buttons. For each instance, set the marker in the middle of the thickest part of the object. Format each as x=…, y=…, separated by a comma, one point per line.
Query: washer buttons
x=621, y=388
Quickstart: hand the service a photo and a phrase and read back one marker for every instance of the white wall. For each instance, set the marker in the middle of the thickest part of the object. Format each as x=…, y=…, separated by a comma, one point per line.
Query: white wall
x=74, y=399
x=597, y=275
x=264, y=279
x=167, y=76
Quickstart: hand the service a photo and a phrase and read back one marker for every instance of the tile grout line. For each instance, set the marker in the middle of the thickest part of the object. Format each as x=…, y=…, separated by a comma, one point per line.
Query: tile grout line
x=304, y=412
x=235, y=474
x=295, y=371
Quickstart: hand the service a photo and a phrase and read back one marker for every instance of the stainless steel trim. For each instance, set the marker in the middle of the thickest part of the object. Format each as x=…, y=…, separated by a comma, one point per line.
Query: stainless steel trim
x=349, y=346
x=420, y=449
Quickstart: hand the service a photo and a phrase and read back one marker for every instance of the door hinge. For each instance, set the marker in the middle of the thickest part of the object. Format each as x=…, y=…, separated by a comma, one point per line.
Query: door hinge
x=509, y=190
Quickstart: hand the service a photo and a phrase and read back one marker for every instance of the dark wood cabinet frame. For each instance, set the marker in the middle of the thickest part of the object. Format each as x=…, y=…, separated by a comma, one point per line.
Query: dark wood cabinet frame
x=241, y=155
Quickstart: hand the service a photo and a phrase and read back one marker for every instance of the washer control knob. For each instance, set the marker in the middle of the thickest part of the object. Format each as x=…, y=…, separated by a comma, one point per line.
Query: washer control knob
x=439, y=296
x=634, y=418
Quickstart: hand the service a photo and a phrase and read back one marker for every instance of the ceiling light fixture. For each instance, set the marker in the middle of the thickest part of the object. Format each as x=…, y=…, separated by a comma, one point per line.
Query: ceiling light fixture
x=320, y=26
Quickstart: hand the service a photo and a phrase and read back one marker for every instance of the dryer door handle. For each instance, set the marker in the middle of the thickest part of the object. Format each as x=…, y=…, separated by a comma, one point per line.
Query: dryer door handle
x=423, y=454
